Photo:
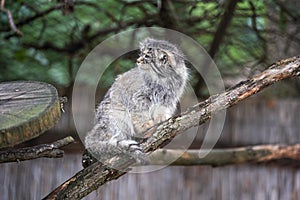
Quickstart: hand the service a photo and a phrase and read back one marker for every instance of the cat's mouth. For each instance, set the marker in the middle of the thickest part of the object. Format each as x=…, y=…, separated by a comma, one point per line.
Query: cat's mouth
x=143, y=63
x=143, y=60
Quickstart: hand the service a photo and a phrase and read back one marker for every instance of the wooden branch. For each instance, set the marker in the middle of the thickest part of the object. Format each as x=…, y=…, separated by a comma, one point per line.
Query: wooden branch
x=90, y=178
x=219, y=34
x=221, y=157
x=72, y=47
x=28, y=153
x=43, y=13
x=10, y=19
x=287, y=10
x=222, y=27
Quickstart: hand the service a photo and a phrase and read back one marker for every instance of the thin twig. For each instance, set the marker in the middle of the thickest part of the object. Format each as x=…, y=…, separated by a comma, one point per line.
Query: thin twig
x=28, y=153
x=10, y=18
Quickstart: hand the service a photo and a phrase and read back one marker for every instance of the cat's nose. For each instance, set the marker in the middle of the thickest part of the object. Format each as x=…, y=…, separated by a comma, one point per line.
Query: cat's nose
x=139, y=60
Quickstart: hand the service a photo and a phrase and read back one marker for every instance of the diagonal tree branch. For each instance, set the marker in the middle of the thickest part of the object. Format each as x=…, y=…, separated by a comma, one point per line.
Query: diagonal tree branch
x=92, y=177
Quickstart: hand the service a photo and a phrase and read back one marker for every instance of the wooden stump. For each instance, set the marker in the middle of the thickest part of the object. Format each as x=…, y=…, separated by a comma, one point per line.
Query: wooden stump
x=27, y=109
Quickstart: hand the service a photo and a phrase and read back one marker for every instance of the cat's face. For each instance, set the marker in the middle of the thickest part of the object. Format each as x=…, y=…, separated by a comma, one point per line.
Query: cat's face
x=160, y=57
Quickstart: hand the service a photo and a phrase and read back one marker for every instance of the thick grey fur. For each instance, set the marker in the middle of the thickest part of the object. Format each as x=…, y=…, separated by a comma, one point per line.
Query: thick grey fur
x=138, y=99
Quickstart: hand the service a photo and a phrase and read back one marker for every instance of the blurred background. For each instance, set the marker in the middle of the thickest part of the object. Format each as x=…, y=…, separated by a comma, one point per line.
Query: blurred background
x=47, y=40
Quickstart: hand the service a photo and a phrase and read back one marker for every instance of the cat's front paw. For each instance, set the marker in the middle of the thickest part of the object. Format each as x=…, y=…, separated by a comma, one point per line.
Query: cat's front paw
x=87, y=159
x=133, y=149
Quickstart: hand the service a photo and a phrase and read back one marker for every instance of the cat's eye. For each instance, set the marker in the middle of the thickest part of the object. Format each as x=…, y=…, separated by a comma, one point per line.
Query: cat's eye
x=163, y=58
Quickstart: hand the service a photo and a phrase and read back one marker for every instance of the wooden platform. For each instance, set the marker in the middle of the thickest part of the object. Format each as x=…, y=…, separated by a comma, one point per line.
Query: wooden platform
x=27, y=109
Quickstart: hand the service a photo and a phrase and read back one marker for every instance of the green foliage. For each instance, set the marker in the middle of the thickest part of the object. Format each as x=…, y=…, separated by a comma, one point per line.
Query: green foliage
x=55, y=41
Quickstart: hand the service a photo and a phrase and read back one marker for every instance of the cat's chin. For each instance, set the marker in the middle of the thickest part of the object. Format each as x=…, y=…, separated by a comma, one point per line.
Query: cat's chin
x=143, y=66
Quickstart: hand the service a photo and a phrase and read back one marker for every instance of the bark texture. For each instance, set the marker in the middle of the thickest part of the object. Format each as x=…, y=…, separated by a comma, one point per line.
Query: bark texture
x=90, y=178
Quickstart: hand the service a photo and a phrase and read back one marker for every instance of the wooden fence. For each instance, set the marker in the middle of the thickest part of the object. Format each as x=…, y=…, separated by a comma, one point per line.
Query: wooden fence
x=250, y=123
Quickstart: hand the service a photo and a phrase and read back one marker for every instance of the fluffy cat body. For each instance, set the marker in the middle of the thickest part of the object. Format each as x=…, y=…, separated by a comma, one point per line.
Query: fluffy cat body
x=138, y=99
